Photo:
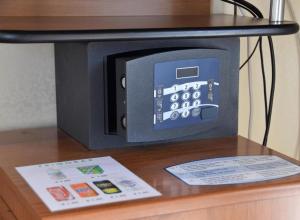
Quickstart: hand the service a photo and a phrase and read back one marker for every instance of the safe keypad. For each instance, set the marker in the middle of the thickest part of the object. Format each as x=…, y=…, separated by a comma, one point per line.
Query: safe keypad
x=184, y=101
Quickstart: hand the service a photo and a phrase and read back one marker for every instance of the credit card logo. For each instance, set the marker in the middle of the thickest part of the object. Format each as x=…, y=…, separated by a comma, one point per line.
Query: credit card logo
x=95, y=169
x=56, y=174
x=60, y=193
x=107, y=187
x=84, y=190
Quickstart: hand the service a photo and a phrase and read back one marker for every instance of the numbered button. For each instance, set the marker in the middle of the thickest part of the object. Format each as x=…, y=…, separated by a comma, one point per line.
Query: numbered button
x=174, y=106
x=185, y=114
x=186, y=87
x=174, y=97
x=197, y=103
x=185, y=105
x=197, y=86
x=159, y=92
x=174, y=116
x=196, y=94
x=186, y=96
x=175, y=88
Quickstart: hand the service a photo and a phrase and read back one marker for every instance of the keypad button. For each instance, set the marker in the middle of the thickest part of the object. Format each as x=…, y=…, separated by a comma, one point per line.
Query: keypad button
x=186, y=96
x=159, y=117
x=175, y=88
x=174, y=97
x=185, y=105
x=185, y=114
x=196, y=94
x=174, y=115
x=197, y=86
x=186, y=87
x=196, y=112
x=159, y=103
x=175, y=106
x=210, y=84
x=159, y=92
x=197, y=103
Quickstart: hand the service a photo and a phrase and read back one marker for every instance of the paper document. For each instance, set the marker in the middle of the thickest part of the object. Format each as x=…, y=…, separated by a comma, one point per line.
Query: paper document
x=234, y=170
x=81, y=183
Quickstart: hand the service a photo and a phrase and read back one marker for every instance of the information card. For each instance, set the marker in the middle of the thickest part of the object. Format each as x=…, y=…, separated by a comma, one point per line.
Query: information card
x=81, y=183
x=234, y=170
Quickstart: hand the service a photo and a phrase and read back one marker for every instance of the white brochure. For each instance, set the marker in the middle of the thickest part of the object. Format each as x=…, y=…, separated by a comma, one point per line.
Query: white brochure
x=234, y=170
x=82, y=183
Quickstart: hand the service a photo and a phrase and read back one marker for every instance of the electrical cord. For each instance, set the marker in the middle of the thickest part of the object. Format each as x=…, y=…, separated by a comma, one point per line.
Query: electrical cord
x=263, y=77
x=234, y=2
x=254, y=10
x=251, y=55
x=251, y=7
x=272, y=92
x=250, y=88
x=235, y=9
x=260, y=43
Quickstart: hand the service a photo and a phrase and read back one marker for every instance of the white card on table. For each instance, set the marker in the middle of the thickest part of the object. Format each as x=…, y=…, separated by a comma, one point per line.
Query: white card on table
x=81, y=183
x=234, y=170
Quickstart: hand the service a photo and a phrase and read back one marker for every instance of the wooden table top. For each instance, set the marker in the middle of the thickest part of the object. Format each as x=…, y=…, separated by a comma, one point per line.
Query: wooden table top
x=102, y=23
x=94, y=28
x=34, y=146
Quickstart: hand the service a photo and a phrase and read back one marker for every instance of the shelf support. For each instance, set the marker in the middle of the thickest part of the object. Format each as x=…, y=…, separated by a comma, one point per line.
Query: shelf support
x=277, y=10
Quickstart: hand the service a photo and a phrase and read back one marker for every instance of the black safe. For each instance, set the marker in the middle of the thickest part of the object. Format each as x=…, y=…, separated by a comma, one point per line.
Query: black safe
x=125, y=93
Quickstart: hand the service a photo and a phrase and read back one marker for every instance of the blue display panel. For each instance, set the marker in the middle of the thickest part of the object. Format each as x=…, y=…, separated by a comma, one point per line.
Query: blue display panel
x=186, y=92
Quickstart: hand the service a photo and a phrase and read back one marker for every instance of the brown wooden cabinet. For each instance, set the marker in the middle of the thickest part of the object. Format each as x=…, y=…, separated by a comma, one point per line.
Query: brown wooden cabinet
x=270, y=200
x=46, y=21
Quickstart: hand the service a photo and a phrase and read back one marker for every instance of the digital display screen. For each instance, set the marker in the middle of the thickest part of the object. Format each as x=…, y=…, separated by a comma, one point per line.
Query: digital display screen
x=187, y=72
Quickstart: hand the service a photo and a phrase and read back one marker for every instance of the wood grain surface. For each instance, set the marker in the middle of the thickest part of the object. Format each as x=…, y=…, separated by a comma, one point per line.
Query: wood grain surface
x=103, y=7
x=5, y=212
x=127, y=23
x=178, y=200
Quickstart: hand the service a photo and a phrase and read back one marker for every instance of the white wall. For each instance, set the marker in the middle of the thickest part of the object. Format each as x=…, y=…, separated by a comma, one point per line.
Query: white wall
x=27, y=89
x=284, y=133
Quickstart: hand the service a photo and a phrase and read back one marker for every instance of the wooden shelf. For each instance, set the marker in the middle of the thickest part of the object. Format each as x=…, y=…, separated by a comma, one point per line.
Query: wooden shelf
x=69, y=28
x=276, y=199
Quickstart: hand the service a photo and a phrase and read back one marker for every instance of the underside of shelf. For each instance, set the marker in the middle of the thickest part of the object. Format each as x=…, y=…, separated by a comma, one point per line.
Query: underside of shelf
x=63, y=29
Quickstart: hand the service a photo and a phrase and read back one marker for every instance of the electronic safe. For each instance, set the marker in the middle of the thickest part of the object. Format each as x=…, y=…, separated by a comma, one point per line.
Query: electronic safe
x=124, y=93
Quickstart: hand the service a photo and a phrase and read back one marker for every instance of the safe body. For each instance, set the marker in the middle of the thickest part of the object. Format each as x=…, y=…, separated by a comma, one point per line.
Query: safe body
x=125, y=93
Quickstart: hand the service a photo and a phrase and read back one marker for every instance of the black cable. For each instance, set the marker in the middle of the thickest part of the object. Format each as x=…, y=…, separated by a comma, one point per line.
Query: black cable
x=235, y=9
x=264, y=78
x=253, y=14
x=272, y=92
x=251, y=55
x=252, y=9
x=240, y=5
x=273, y=64
x=259, y=42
